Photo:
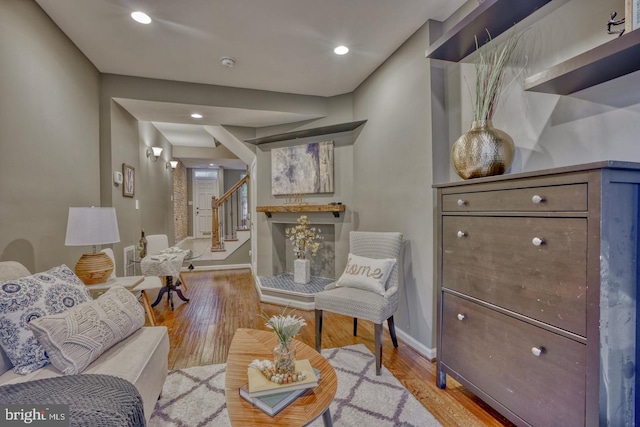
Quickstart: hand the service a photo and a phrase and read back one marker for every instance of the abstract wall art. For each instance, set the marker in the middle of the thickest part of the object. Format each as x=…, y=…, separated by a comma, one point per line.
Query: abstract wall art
x=302, y=169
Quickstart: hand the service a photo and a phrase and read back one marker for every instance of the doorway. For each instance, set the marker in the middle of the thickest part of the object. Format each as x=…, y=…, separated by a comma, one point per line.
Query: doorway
x=205, y=186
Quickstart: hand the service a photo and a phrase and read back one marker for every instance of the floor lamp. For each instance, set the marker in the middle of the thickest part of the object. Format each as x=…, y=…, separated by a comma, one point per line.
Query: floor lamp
x=91, y=227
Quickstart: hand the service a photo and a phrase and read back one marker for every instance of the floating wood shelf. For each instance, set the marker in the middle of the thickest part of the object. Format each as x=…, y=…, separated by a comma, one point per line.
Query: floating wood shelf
x=334, y=209
x=323, y=130
x=608, y=61
x=495, y=16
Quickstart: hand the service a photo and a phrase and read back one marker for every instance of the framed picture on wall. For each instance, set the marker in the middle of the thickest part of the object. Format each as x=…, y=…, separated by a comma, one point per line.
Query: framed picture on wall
x=129, y=183
x=302, y=169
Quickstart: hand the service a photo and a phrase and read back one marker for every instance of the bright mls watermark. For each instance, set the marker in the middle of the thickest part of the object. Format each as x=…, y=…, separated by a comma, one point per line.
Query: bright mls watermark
x=34, y=415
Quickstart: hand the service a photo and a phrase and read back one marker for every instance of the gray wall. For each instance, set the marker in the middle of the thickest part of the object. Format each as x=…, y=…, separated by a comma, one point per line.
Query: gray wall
x=392, y=174
x=49, y=142
x=156, y=184
x=123, y=139
x=124, y=132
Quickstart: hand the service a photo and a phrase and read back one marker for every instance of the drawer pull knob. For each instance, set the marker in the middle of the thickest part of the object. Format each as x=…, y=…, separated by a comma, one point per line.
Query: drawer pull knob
x=537, y=351
x=537, y=241
x=537, y=199
x=461, y=202
x=461, y=234
x=461, y=316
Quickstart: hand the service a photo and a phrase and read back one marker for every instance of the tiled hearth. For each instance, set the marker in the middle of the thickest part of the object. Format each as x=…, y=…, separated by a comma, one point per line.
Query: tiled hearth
x=279, y=288
x=322, y=264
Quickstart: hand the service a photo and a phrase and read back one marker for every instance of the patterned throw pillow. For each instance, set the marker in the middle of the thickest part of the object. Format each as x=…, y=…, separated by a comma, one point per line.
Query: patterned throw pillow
x=27, y=298
x=368, y=274
x=75, y=338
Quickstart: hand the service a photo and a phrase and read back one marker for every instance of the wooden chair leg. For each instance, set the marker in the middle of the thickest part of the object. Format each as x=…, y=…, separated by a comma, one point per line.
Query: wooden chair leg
x=378, y=343
x=182, y=282
x=148, y=309
x=355, y=326
x=318, y=330
x=392, y=331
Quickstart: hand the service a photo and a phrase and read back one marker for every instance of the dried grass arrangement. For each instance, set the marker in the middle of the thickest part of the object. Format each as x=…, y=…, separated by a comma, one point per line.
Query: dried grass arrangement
x=490, y=69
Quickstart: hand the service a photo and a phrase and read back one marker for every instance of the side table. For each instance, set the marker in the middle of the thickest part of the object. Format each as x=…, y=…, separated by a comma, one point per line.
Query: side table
x=167, y=265
x=250, y=344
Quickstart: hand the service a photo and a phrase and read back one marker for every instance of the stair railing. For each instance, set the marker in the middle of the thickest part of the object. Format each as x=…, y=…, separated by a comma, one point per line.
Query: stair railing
x=229, y=214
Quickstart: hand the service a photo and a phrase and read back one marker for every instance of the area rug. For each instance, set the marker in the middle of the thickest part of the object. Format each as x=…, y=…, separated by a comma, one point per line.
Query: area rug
x=194, y=397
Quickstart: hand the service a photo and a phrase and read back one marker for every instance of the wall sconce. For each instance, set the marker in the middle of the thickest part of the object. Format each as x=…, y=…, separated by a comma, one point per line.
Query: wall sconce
x=154, y=153
x=172, y=164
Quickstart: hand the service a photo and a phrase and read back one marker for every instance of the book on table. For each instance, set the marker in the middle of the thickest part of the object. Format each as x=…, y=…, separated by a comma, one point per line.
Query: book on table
x=261, y=386
x=274, y=403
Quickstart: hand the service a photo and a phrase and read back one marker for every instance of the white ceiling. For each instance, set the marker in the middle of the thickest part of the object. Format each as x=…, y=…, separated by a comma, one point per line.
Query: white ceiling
x=279, y=45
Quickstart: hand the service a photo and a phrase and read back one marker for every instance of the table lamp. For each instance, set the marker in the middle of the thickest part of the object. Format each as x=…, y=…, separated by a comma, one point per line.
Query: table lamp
x=90, y=227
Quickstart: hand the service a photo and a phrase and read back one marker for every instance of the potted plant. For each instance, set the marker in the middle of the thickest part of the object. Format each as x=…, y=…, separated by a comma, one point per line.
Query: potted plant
x=304, y=238
x=485, y=150
x=285, y=326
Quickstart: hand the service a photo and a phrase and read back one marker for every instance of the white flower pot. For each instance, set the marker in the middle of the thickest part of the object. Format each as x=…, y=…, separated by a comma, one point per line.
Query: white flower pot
x=302, y=271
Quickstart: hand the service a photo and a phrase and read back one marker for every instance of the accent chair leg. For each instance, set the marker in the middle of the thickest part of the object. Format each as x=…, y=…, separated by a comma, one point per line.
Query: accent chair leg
x=392, y=331
x=355, y=326
x=181, y=282
x=318, y=330
x=377, y=332
x=147, y=307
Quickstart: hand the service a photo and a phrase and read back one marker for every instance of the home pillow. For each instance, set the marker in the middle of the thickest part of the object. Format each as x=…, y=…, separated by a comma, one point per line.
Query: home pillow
x=369, y=274
x=30, y=297
x=75, y=338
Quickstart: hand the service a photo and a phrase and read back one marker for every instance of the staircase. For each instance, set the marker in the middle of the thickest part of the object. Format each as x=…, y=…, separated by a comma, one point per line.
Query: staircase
x=230, y=216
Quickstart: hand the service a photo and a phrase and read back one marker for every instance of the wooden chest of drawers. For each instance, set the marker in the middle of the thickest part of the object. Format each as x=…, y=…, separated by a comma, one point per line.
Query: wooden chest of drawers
x=537, y=276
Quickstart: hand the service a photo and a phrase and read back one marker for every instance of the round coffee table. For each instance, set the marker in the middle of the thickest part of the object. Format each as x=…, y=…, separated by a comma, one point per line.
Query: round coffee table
x=250, y=344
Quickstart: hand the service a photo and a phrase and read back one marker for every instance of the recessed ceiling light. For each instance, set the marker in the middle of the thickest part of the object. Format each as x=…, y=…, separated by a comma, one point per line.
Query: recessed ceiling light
x=141, y=17
x=341, y=50
x=196, y=116
x=212, y=164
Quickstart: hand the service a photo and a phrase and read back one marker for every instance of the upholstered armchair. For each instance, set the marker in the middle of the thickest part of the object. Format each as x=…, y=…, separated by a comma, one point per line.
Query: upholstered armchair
x=365, y=304
x=157, y=243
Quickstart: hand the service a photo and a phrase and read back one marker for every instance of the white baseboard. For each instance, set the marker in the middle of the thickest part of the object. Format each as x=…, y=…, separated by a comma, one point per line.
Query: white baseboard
x=286, y=302
x=429, y=353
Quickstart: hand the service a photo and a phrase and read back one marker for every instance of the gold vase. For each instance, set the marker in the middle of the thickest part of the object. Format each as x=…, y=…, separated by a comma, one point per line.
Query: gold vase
x=482, y=151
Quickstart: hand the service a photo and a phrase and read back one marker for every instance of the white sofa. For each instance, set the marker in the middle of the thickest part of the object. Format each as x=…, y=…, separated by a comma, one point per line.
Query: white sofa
x=141, y=359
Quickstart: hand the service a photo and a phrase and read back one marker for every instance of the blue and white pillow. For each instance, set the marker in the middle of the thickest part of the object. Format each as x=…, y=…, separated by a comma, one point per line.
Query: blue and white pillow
x=27, y=298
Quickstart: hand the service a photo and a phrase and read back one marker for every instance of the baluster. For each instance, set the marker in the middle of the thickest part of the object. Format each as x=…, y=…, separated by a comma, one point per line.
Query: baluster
x=242, y=216
x=223, y=221
x=246, y=205
x=234, y=217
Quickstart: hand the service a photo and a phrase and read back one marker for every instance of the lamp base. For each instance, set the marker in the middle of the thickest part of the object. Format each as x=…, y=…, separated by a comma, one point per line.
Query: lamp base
x=94, y=268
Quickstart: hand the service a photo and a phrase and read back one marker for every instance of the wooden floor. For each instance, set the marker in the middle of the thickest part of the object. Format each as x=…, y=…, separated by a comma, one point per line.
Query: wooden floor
x=222, y=301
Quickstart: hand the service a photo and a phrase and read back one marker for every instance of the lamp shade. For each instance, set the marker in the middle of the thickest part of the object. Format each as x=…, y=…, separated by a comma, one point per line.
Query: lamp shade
x=92, y=226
